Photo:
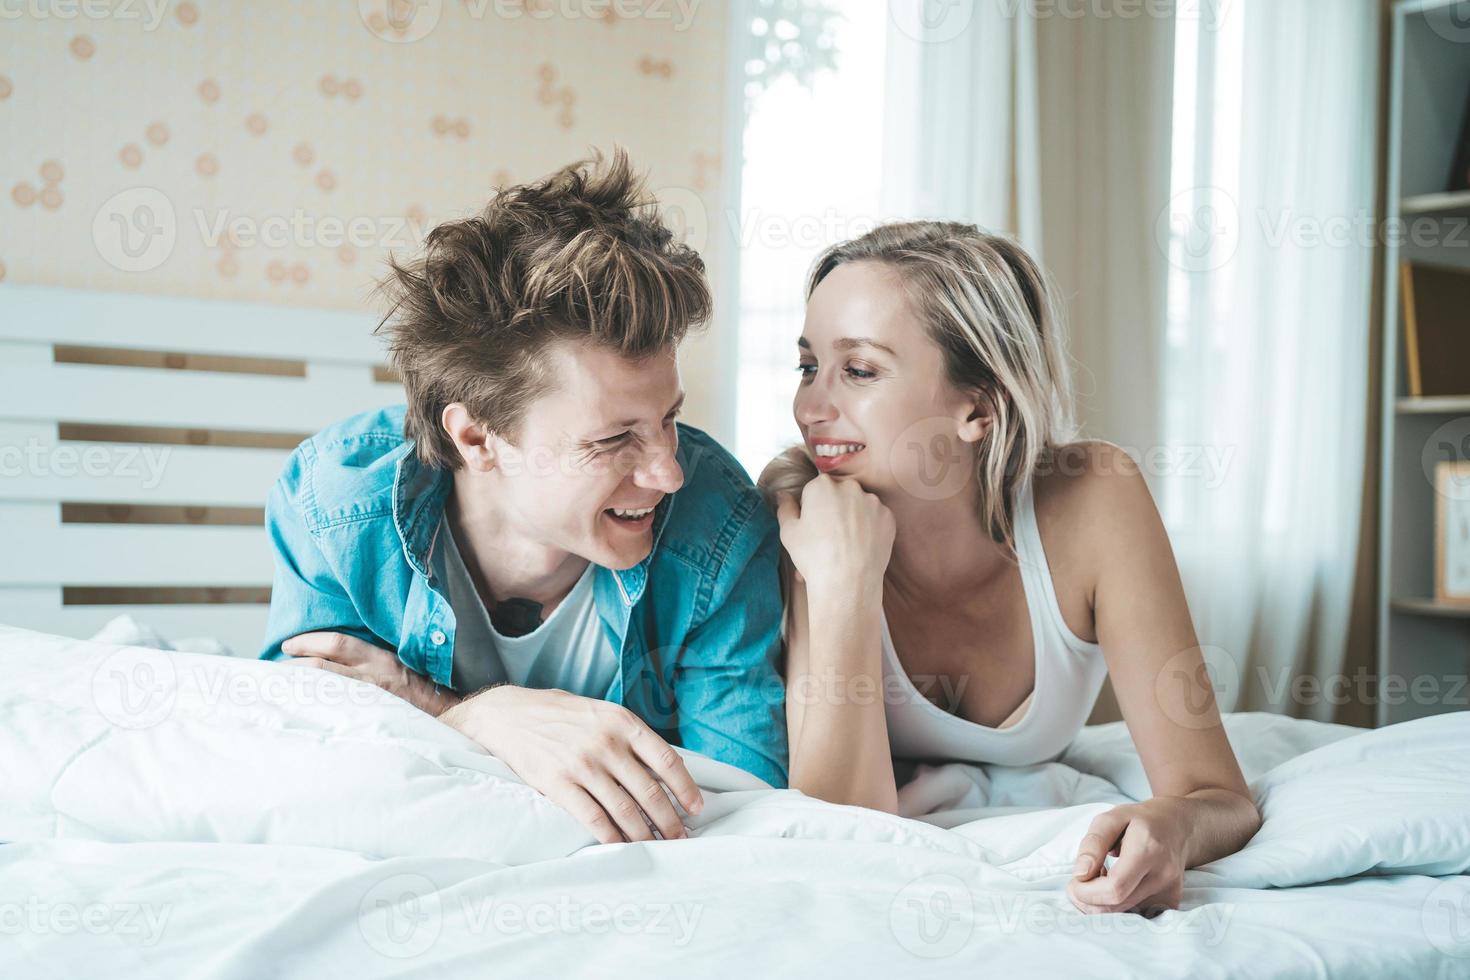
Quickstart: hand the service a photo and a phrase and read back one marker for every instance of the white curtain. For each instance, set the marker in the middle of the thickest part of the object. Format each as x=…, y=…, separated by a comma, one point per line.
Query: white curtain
x=961, y=115
x=1213, y=334
x=1265, y=368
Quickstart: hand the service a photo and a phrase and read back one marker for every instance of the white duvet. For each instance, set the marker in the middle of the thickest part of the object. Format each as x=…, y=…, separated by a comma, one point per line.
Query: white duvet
x=174, y=814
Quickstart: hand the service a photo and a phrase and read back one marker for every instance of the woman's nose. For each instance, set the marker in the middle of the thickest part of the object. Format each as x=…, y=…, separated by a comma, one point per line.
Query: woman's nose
x=812, y=405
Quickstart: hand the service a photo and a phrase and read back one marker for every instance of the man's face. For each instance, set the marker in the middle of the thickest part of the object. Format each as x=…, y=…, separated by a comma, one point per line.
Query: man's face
x=594, y=454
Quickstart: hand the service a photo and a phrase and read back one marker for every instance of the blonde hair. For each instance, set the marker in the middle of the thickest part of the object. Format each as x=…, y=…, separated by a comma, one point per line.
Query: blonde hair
x=991, y=310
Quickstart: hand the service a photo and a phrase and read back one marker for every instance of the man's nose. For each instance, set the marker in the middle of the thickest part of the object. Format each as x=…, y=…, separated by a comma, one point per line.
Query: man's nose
x=659, y=469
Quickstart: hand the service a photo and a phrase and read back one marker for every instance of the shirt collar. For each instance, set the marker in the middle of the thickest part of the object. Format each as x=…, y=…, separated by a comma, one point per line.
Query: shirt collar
x=420, y=493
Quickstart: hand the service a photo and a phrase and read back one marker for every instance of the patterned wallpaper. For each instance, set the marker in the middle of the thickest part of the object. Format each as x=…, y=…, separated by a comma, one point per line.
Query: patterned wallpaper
x=274, y=151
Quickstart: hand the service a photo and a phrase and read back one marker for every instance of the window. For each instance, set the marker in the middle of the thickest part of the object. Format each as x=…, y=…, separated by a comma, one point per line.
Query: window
x=812, y=176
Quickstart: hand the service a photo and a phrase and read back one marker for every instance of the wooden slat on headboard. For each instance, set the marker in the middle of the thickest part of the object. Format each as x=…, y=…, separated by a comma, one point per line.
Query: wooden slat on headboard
x=200, y=414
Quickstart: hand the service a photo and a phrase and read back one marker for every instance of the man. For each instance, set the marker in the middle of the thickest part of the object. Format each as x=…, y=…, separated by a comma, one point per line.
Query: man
x=532, y=548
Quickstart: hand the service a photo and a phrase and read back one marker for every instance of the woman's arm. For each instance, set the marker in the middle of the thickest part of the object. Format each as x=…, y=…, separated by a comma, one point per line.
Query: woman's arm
x=834, y=676
x=834, y=700
x=1202, y=808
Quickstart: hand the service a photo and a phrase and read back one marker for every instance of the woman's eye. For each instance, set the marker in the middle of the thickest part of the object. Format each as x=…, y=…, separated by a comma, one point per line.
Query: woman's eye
x=806, y=370
x=611, y=441
x=859, y=373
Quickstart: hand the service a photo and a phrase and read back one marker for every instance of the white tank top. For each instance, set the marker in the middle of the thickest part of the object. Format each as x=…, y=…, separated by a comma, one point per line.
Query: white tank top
x=1069, y=673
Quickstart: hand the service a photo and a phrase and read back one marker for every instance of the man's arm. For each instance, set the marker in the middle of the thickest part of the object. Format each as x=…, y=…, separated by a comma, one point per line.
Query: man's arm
x=306, y=594
x=312, y=618
x=728, y=689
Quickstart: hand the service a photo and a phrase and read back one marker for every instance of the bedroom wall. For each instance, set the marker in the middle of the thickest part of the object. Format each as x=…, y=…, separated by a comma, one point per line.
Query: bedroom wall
x=276, y=153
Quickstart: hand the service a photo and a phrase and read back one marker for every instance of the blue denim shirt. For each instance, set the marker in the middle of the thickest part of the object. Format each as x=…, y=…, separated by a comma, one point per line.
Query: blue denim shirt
x=353, y=519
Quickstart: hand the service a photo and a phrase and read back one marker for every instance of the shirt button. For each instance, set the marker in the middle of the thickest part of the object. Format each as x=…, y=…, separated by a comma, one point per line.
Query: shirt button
x=437, y=638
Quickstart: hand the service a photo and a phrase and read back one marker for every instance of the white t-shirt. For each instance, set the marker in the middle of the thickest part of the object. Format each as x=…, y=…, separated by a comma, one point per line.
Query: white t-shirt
x=569, y=651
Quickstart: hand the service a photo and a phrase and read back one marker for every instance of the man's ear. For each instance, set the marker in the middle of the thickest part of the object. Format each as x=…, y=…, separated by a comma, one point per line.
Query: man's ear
x=976, y=415
x=475, y=442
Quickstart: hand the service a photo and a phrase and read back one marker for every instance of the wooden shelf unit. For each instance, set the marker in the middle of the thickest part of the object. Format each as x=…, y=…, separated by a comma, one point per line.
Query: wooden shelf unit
x=1430, y=81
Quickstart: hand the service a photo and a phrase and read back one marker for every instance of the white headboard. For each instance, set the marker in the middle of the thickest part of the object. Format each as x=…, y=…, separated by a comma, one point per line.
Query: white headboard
x=139, y=436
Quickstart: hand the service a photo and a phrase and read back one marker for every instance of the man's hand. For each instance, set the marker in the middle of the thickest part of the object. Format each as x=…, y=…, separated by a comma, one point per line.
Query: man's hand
x=347, y=655
x=595, y=759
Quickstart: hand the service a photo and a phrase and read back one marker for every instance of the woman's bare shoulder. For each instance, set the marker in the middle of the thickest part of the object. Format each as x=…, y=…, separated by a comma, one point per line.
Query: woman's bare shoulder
x=1091, y=500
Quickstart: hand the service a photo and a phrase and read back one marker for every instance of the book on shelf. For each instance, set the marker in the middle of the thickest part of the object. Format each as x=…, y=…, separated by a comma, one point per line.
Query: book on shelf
x=1436, y=305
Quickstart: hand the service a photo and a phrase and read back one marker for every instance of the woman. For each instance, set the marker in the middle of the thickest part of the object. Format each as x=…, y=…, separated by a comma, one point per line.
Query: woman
x=950, y=545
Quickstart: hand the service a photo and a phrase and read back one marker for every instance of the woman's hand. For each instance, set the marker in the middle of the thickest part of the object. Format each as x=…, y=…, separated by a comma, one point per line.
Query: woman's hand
x=344, y=654
x=839, y=538
x=1149, y=840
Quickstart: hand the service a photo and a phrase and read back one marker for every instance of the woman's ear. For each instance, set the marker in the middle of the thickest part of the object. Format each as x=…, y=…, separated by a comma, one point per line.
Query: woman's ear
x=475, y=442
x=976, y=415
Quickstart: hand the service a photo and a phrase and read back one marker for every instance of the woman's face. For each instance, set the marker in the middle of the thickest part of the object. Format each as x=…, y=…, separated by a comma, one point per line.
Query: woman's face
x=874, y=403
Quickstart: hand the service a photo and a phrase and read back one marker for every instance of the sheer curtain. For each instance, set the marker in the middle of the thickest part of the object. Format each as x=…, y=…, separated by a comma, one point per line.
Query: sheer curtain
x=1269, y=236
x=1200, y=186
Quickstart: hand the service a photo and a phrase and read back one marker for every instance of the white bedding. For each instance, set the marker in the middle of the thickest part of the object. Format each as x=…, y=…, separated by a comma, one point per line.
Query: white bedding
x=176, y=814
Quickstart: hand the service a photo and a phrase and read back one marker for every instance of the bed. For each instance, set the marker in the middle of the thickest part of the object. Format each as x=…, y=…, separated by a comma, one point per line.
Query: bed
x=172, y=813
x=181, y=814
